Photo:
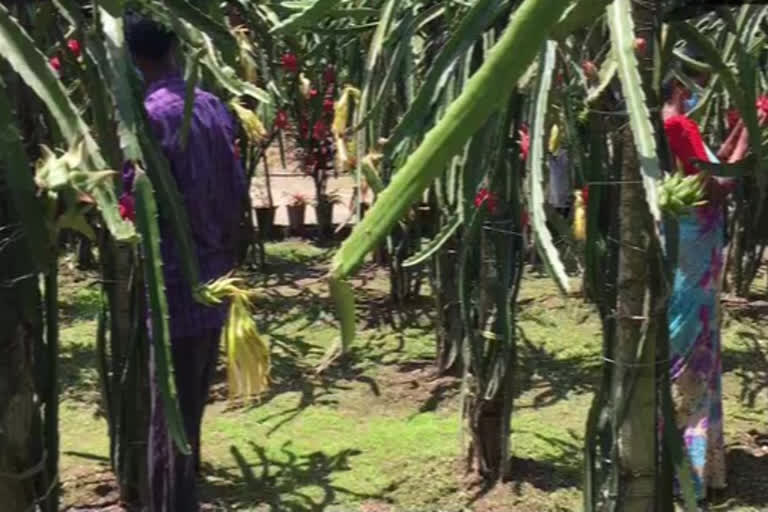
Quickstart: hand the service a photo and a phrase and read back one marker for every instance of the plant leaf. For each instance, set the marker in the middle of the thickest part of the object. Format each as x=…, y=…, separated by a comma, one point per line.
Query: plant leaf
x=472, y=25
x=445, y=234
x=745, y=167
x=544, y=243
x=607, y=72
x=623, y=43
x=579, y=14
x=225, y=40
x=307, y=17
x=344, y=300
x=146, y=220
x=19, y=177
x=371, y=175
x=191, y=77
x=21, y=53
x=482, y=96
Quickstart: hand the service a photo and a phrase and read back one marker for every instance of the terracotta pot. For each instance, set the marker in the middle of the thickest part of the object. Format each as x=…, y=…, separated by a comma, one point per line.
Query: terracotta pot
x=296, y=215
x=265, y=218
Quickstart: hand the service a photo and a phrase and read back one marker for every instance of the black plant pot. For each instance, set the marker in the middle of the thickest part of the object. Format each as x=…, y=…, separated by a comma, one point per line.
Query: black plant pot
x=265, y=218
x=296, y=216
x=324, y=214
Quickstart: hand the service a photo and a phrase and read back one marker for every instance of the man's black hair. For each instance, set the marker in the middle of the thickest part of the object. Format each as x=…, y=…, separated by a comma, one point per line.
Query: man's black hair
x=671, y=81
x=668, y=87
x=147, y=38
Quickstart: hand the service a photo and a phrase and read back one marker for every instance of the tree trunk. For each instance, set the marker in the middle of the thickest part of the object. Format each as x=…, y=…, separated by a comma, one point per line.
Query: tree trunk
x=489, y=406
x=124, y=370
x=450, y=330
x=637, y=309
x=635, y=405
x=23, y=479
x=85, y=259
x=487, y=423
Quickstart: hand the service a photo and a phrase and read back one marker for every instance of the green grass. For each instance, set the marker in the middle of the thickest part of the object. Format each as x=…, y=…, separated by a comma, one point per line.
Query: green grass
x=373, y=433
x=295, y=251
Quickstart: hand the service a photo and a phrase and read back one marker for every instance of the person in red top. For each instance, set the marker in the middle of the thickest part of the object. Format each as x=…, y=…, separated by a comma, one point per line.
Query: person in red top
x=693, y=311
x=687, y=144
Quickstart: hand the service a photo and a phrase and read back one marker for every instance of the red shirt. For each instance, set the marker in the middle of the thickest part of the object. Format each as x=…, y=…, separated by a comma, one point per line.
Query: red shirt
x=685, y=142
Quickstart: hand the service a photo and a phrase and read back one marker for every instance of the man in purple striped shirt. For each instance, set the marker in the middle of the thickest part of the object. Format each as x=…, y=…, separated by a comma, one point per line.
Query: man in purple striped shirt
x=213, y=185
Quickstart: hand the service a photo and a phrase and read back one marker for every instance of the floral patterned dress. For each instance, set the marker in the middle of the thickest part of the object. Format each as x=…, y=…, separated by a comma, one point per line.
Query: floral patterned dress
x=694, y=323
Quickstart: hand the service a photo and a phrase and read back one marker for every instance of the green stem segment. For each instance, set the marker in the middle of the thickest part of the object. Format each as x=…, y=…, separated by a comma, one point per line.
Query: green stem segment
x=22, y=186
x=544, y=242
x=146, y=219
x=505, y=64
x=51, y=417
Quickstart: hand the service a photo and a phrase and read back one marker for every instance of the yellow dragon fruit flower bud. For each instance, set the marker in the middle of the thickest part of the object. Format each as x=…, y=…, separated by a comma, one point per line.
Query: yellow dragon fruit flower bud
x=554, y=139
x=252, y=125
x=342, y=157
x=579, y=217
x=305, y=86
x=341, y=110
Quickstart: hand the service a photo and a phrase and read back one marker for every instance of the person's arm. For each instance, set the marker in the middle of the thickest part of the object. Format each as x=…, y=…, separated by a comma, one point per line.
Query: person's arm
x=736, y=145
x=741, y=148
x=726, y=150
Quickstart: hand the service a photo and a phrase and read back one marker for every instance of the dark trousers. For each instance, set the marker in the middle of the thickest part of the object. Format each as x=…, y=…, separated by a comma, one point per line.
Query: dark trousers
x=173, y=476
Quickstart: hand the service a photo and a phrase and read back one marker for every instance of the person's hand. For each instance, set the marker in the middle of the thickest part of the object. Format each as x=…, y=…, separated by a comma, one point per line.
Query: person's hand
x=741, y=148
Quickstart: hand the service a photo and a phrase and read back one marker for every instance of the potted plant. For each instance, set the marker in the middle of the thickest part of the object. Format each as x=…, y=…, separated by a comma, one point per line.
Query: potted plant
x=324, y=212
x=297, y=208
x=265, y=219
x=306, y=115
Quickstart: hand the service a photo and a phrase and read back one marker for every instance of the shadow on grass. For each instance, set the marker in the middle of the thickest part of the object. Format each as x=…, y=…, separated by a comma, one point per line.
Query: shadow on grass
x=287, y=483
x=747, y=480
x=290, y=373
x=295, y=356
x=79, y=296
x=561, y=472
x=750, y=365
x=78, y=377
x=444, y=389
x=304, y=288
x=555, y=376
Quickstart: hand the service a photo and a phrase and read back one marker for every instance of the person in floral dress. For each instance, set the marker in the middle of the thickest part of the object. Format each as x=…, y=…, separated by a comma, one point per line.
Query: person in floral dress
x=694, y=308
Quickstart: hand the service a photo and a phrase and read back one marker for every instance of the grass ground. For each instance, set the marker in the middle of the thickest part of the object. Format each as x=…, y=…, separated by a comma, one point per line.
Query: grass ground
x=377, y=433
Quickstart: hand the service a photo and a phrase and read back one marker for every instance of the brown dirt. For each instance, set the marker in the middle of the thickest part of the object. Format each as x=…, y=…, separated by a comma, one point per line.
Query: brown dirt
x=86, y=491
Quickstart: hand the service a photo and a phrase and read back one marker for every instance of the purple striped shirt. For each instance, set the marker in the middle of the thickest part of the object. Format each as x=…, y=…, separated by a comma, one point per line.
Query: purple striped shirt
x=213, y=186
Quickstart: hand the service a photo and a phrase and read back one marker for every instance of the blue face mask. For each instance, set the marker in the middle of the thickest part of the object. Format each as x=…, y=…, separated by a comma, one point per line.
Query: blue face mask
x=691, y=102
